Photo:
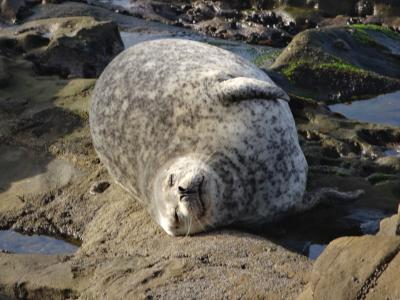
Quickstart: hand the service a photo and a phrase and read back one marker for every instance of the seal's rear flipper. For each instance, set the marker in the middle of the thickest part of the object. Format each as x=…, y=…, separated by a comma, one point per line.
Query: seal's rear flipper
x=244, y=88
x=329, y=196
x=333, y=196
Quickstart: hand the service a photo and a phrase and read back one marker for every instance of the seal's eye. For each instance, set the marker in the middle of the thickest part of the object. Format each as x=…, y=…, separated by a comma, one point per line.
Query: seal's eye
x=171, y=180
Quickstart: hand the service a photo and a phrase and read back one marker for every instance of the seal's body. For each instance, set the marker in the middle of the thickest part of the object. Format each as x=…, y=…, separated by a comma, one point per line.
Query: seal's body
x=200, y=136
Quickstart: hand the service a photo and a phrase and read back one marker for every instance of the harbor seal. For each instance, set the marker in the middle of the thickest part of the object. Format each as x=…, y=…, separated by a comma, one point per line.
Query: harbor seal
x=200, y=136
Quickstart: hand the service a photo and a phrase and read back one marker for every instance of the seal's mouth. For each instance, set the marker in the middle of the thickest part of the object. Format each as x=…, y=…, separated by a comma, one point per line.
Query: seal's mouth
x=193, y=196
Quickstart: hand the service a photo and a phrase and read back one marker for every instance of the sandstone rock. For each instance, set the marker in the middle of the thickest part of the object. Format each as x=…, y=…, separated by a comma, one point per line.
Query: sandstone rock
x=390, y=226
x=53, y=279
x=352, y=268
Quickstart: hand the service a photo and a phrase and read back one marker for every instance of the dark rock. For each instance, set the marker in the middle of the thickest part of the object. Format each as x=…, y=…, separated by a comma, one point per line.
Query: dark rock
x=335, y=7
x=389, y=163
x=364, y=8
x=69, y=47
x=297, y=19
x=4, y=75
x=386, y=8
x=13, y=106
x=9, y=9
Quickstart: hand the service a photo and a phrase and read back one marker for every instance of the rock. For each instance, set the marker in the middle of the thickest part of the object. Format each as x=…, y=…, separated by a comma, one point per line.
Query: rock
x=9, y=9
x=386, y=8
x=99, y=187
x=121, y=242
x=390, y=226
x=301, y=18
x=69, y=47
x=333, y=64
x=55, y=270
x=333, y=8
x=356, y=268
x=390, y=163
x=4, y=75
x=364, y=8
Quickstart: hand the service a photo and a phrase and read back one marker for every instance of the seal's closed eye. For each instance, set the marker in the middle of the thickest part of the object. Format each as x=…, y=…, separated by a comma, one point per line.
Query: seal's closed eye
x=171, y=180
x=244, y=88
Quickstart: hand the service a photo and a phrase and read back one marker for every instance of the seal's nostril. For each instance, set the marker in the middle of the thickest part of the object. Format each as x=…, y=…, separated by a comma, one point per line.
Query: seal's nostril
x=181, y=189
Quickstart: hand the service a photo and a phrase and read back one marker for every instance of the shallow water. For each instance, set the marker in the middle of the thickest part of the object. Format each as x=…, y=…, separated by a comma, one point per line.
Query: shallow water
x=309, y=233
x=395, y=151
x=366, y=219
x=384, y=109
x=315, y=250
x=123, y=3
x=14, y=242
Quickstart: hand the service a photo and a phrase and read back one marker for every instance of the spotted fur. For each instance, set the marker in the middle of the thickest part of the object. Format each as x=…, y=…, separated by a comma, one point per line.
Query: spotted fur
x=166, y=99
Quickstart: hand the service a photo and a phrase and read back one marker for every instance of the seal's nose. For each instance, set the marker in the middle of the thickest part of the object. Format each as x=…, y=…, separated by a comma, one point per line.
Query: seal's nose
x=190, y=186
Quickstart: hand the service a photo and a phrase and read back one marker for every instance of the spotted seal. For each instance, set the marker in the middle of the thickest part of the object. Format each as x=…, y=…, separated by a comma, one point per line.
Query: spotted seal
x=199, y=135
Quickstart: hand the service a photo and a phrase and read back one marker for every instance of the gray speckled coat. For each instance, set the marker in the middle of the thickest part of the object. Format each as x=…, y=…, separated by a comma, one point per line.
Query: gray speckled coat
x=167, y=98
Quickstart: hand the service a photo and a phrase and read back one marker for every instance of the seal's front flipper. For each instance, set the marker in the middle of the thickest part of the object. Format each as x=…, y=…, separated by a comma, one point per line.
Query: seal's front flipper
x=244, y=88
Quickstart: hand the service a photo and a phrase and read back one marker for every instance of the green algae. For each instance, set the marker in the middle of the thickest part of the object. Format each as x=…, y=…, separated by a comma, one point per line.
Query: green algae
x=334, y=64
x=266, y=58
x=382, y=29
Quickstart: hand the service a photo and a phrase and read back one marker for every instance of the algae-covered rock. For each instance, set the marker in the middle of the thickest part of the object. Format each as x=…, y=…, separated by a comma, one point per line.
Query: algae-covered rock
x=76, y=46
x=342, y=63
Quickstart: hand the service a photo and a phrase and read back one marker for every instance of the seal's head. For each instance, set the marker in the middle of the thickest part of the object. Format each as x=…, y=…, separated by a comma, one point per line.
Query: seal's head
x=185, y=193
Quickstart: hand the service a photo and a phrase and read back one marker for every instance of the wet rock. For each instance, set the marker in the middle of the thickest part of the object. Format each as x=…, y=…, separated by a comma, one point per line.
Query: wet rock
x=246, y=31
x=389, y=163
x=364, y=8
x=9, y=9
x=339, y=63
x=356, y=268
x=69, y=47
x=386, y=8
x=333, y=8
x=4, y=75
x=13, y=106
x=297, y=19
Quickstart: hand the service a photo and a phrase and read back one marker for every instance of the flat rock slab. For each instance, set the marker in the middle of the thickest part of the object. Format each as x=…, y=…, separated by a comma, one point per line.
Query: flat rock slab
x=130, y=256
